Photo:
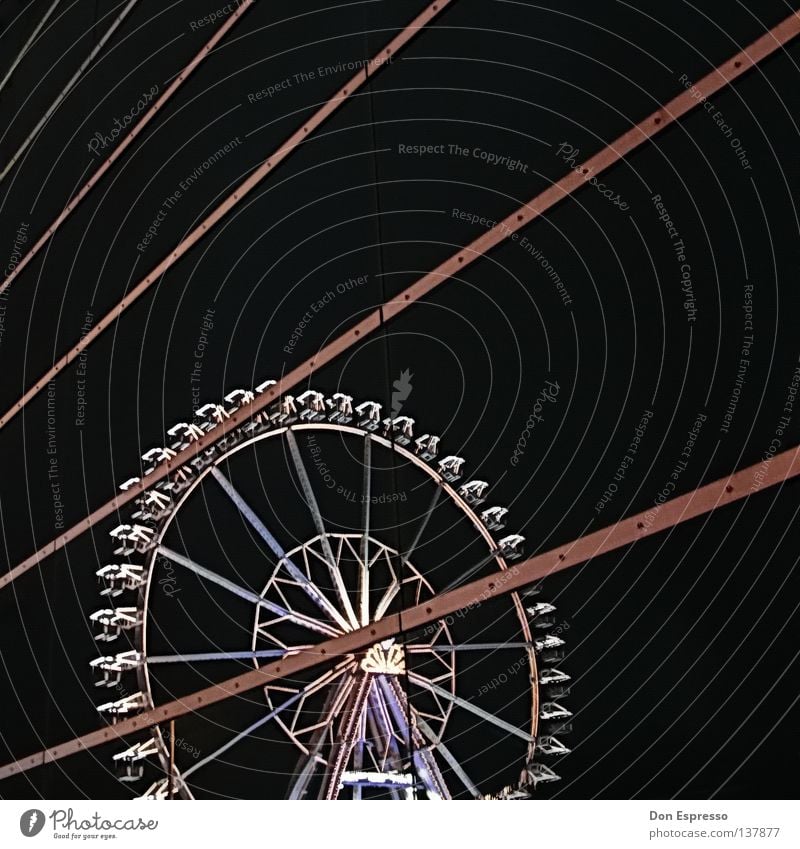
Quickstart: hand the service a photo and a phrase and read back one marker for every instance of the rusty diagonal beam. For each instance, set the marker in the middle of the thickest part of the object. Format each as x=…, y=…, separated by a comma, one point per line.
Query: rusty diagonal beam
x=703, y=500
x=245, y=188
x=739, y=485
x=728, y=71
x=135, y=131
x=259, y=174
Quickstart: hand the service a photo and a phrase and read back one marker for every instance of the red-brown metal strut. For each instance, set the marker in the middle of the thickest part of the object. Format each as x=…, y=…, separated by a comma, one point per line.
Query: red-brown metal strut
x=290, y=145
x=136, y=130
x=722, y=492
x=653, y=124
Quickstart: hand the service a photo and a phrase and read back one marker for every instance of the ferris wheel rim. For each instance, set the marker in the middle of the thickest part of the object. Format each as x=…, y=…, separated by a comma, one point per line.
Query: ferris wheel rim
x=143, y=670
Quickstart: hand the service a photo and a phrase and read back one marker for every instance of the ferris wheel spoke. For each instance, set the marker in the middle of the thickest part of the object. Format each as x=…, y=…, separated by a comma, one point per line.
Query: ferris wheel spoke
x=425, y=648
x=232, y=587
x=391, y=591
x=381, y=728
x=25, y=47
x=311, y=501
x=309, y=761
x=365, y=516
x=223, y=655
x=358, y=752
x=423, y=524
x=425, y=762
x=468, y=706
x=385, y=770
x=346, y=736
x=325, y=679
x=308, y=586
x=456, y=582
x=446, y=754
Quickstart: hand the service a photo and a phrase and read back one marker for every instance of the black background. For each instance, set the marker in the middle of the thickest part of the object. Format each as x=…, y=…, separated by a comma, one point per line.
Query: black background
x=683, y=647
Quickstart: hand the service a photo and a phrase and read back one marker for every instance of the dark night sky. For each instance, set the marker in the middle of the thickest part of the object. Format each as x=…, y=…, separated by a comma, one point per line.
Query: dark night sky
x=683, y=648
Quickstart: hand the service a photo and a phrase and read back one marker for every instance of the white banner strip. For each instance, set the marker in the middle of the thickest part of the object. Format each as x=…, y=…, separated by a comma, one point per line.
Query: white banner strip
x=540, y=823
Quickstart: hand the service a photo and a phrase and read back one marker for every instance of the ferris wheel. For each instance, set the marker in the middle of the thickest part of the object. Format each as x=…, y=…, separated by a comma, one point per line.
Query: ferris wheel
x=330, y=550
x=394, y=721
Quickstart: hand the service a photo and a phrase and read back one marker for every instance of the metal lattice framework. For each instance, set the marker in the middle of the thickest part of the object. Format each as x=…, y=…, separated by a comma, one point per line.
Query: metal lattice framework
x=365, y=654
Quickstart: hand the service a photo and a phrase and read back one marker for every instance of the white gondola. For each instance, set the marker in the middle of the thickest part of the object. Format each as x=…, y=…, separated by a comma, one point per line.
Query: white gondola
x=369, y=415
x=537, y=773
x=553, y=676
x=548, y=641
x=114, y=621
x=540, y=608
x=427, y=447
x=551, y=746
x=553, y=710
x=238, y=398
x=185, y=434
x=108, y=670
x=450, y=468
x=494, y=518
x=473, y=492
x=313, y=406
x=210, y=415
x=341, y=408
x=400, y=429
x=155, y=457
x=132, y=538
x=118, y=577
x=511, y=546
x=130, y=763
x=122, y=707
x=153, y=506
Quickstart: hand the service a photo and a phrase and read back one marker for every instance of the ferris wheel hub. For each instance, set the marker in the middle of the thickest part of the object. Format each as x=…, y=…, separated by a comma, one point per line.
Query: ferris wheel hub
x=386, y=658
